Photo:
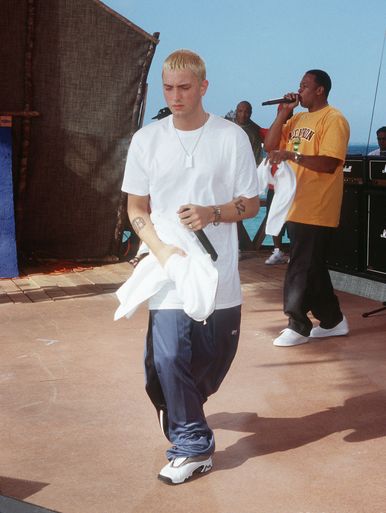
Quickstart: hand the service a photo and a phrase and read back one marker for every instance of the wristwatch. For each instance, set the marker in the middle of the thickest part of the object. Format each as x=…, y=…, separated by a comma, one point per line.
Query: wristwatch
x=298, y=157
x=217, y=215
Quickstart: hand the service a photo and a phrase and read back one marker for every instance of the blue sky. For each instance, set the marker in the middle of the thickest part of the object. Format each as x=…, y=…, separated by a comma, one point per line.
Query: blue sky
x=259, y=49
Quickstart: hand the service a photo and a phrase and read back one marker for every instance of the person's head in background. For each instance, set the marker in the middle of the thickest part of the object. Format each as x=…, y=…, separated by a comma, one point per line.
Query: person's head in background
x=381, y=138
x=243, y=113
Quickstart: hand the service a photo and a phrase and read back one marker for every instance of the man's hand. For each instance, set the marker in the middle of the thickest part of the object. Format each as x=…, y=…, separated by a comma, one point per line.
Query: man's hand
x=195, y=217
x=285, y=110
x=167, y=251
x=289, y=107
x=278, y=156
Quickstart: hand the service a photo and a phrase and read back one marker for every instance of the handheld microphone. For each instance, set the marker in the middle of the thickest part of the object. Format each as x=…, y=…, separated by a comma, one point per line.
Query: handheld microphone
x=207, y=245
x=276, y=101
x=202, y=237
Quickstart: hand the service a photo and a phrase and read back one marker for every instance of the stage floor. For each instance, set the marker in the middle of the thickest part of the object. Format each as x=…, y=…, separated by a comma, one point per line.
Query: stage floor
x=298, y=429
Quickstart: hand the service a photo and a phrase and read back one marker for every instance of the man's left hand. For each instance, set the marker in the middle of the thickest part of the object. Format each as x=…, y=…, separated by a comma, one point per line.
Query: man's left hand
x=195, y=217
x=278, y=156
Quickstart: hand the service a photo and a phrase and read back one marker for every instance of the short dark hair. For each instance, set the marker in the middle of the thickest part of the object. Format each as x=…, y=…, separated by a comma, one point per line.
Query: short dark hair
x=246, y=103
x=382, y=129
x=322, y=79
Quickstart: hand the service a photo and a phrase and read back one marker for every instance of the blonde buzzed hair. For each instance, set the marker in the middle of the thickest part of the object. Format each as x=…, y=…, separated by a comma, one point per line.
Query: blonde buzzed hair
x=186, y=59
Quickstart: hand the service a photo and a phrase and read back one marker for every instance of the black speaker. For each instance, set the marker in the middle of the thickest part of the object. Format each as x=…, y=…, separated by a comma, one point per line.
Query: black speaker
x=346, y=252
x=376, y=171
x=376, y=232
x=354, y=170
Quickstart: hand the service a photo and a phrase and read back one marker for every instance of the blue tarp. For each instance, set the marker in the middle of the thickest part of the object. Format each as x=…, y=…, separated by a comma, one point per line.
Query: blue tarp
x=8, y=254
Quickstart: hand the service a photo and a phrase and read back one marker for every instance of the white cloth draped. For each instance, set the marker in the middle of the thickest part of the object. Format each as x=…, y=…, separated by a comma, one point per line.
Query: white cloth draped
x=284, y=183
x=194, y=275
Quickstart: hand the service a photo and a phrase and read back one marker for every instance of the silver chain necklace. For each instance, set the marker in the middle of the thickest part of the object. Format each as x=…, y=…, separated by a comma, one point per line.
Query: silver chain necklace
x=189, y=162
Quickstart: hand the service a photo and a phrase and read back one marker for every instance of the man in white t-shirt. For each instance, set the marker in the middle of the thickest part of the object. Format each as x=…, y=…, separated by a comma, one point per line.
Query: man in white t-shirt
x=199, y=169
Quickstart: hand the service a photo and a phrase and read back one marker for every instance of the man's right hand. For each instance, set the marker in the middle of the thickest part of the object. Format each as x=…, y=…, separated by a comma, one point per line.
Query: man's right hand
x=167, y=251
x=287, y=108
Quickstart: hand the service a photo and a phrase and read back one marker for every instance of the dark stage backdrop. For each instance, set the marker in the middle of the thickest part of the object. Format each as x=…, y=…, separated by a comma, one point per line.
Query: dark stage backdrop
x=83, y=69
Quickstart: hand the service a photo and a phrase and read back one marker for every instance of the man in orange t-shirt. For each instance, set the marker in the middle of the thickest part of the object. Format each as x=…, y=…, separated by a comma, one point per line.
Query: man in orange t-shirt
x=316, y=143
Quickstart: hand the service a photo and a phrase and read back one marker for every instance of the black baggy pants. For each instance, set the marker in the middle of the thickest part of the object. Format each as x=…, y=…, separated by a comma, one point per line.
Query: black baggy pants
x=307, y=285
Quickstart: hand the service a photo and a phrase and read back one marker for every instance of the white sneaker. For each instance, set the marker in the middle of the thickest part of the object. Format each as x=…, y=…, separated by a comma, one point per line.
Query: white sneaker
x=340, y=329
x=277, y=257
x=180, y=469
x=289, y=337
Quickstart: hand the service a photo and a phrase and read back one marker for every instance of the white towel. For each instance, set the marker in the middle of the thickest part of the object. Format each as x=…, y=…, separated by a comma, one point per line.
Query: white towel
x=147, y=279
x=284, y=183
x=194, y=275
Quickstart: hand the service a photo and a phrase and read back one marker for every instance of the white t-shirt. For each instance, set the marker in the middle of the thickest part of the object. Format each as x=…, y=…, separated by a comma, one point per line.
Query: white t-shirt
x=375, y=152
x=223, y=168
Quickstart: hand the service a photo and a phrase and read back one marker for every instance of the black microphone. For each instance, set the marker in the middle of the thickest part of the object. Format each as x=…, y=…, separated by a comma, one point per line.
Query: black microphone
x=276, y=101
x=202, y=237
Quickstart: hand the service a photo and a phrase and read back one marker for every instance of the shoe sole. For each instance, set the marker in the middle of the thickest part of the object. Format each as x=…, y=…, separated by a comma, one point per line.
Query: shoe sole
x=291, y=345
x=199, y=470
x=330, y=336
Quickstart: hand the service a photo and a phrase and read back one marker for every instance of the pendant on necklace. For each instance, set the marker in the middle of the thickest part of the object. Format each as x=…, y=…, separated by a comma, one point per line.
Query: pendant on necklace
x=188, y=161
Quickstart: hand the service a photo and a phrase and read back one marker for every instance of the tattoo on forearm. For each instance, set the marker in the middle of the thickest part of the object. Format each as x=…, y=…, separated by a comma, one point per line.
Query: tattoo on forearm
x=240, y=207
x=138, y=224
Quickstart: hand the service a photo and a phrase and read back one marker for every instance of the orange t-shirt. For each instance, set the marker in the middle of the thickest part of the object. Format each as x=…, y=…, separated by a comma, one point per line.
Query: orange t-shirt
x=318, y=195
